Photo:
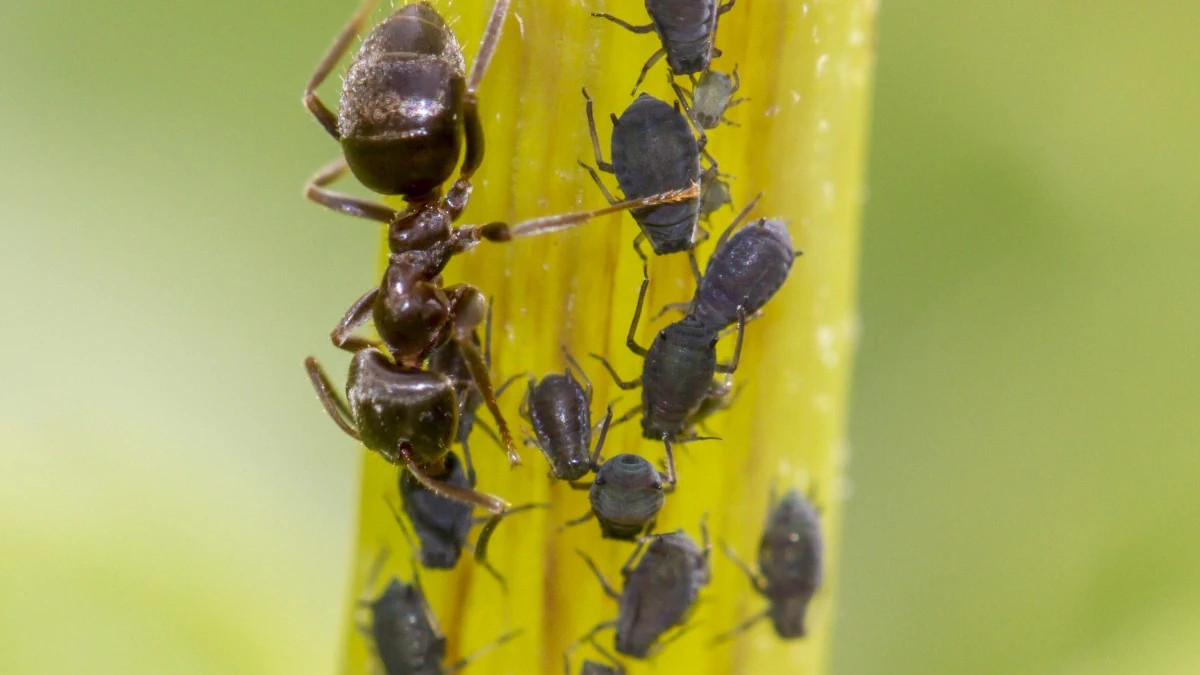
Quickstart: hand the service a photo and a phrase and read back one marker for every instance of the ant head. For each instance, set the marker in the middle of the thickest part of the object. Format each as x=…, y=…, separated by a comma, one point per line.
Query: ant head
x=627, y=494
x=420, y=227
x=408, y=314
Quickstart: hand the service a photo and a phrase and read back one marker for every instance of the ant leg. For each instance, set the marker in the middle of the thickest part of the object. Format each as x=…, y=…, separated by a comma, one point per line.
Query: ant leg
x=462, y=663
x=314, y=190
x=625, y=24
x=631, y=384
x=737, y=220
x=329, y=398
x=669, y=478
x=731, y=367
x=721, y=9
x=340, y=44
x=608, y=590
x=342, y=334
x=604, y=166
x=467, y=236
x=487, y=334
x=740, y=628
x=600, y=184
x=630, y=338
x=483, y=382
x=587, y=381
x=654, y=58
x=441, y=488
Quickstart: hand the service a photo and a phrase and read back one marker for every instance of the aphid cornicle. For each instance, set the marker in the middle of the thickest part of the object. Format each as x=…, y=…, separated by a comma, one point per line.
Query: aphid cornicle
x=405, y=111
x=677, y=373
x=658, y=593
x=686, y=29
x=405, y=634
x=790, y=563
x=653, y=150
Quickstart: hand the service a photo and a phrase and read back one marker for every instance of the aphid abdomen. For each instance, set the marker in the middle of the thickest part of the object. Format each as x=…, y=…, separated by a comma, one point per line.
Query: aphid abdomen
x=441, y=524
x=391, y=404
x=750, y=267
x=558, y=411
x=654, y=151
x=400, y=117
x=626, y=496
x=406, y=641
x=676, y=377
x=791, y=559
x=659, y=593
x=686, y=29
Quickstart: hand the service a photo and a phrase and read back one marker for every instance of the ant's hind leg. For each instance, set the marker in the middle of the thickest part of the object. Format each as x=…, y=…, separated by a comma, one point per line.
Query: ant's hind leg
x=330, y=400
x=315, y=191
x=340, y=44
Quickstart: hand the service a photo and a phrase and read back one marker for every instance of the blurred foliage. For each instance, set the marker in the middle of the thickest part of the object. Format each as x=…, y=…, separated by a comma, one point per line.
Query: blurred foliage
x=1024, y=430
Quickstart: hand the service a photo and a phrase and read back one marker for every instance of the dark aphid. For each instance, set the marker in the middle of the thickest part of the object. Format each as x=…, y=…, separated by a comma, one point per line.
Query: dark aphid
x=406, y=634
x=653, y=151
x=627, y=494
x=790, y=563
x=559, y=410
x=441, y=524
x=686, y=29
x=710, y=97
x=744, y=271
x=658, y=594
x=405, y=111
x=677, y=374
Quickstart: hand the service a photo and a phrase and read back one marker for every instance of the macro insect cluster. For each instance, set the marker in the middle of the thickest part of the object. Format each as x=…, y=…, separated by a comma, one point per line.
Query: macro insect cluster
x=408, y=122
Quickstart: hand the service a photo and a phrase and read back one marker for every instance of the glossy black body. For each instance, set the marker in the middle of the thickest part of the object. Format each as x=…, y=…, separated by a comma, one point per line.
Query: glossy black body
x=626, y=496
x=406, y=635
x=747, y=269
x=441, y=524
x=677, y=376
x=659, y=592
x=686, y=29
x=791, y=561
x=391, y=404
x=653, y=151
x=560, y=413
x=401, y=118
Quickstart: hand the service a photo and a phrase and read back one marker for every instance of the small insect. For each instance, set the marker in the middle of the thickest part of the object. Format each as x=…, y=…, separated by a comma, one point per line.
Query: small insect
x=613, y=667
x=715, y=194
x=405, y=110
x=559, y=410
x=710, y=97
x=744, y=271
x=791, y=565
x=658, y=594
x=677, y=374
x=405, y=633
x=686, y=29
x=653, y=151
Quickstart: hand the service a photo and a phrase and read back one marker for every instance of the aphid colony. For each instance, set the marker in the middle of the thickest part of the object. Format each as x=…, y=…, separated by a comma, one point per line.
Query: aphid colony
x=408, y=117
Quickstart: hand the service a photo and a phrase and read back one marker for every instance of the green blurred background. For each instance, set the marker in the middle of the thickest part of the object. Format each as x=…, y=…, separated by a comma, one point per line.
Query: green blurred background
x=1026, y=441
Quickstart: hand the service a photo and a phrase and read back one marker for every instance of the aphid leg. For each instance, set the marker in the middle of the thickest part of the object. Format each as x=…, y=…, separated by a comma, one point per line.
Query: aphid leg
x=329, y=398
x=681, y=307
x=630, y=337
x=314, y=190
x=630, y=384
x=695, y=265
x=595, y=458
x=627, y=566
x=608, y=590
x=413, y=547
x=342, y=335
x=670, y=477
x=740, y=628
x=467, y=236
x=662, y=644
x=607, y=655
x=755, y=580
x=462, y=663
x=637, y=248
x=654, y=58
x=599, y=183
x=737, y=220
x=340, y=44
x=628, y=414
x=721, y=9
x=625, y=24
x=731, y=367
x=737, y=83
x=513, y=378
x=587, y=381
x=607, y=167
x=581, y=519
x=701, y=136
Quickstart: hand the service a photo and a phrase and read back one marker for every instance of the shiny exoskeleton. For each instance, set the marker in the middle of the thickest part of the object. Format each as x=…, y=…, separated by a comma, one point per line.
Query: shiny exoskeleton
x=403, y=102
x=653, y=150
x=657, y=594
x=406, y=635
x=745, y=271
x=710, y=97
x=686, y=29
x=558, y=408
x=677, y=374
x=790, y=563
x=441, y=524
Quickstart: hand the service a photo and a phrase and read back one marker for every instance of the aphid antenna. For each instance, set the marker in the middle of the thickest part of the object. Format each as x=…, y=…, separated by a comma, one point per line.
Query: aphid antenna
x=587, y=381
x=608, y=589
x=754, y=578
x=738, y=629
x=737, y=220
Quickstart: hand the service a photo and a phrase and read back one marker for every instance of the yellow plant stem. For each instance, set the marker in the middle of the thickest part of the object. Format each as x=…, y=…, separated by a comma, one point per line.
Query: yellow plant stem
x=805, y=68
